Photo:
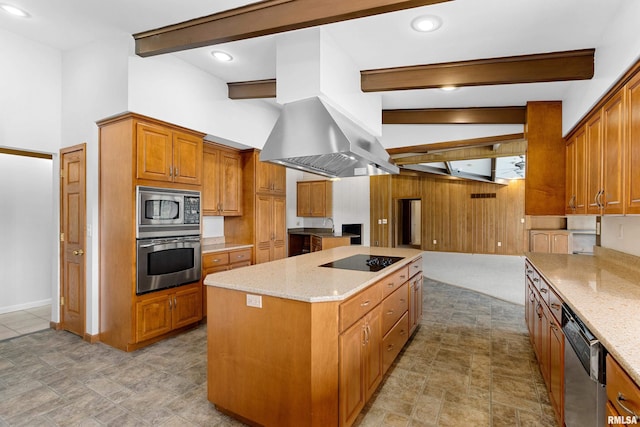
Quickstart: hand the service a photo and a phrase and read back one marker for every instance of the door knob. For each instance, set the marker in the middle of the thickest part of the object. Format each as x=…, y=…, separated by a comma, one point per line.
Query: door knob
x=78, y=252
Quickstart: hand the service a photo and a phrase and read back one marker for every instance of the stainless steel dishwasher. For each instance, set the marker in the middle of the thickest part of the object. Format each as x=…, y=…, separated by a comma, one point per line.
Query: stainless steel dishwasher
x=584, y=370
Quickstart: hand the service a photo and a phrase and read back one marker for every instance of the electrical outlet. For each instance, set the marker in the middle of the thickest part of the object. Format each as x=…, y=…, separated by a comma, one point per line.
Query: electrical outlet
x=254, y=301
x=379, y=221
x=499, y=244
x=384, y=220
x=435, y=242
x=521, y=220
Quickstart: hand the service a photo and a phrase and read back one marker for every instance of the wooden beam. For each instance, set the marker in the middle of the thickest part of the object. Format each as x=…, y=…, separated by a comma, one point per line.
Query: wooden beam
x=253, y=89
x=261, y=19
x=482, y=115
x=545, y=67
x=453, y=145
x=24, y=153
x=515, y=148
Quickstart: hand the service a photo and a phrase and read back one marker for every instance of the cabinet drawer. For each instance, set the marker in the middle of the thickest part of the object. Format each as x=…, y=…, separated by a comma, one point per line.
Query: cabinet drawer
x=240, y=256
x=394, y=306
x=394, y=281
x=621, y=389
x=215, y=259
x=415, y=267
x=358, y=305
x=393, y=342
x=555, y=305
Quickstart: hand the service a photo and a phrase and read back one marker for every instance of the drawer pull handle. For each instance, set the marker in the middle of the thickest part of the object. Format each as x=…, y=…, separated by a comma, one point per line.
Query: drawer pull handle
x=402, y=332
x=556, y=306
x=390, y=312
x=390, y=347
x=544, y=290
x=216, y=260
x=402, y=300
x=240, y=256
x=554, y=326
x=619, y=399
x=390, y=285
x=402, y=276
x=364, y=304
x=535, y=279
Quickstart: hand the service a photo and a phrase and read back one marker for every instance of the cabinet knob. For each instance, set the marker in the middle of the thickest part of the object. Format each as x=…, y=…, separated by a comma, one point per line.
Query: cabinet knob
x=366, y=303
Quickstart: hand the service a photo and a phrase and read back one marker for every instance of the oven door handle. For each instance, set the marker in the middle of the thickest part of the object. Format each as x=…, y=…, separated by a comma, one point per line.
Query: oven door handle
x=169, y=242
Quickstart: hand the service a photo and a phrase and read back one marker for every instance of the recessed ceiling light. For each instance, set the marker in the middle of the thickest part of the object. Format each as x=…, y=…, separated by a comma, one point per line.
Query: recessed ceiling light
x=222, y=56
x=426, y=23
x=13, y=10
x=448, y=88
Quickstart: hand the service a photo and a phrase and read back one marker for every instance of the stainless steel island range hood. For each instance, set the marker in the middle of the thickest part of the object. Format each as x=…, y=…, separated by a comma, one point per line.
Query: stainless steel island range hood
x=312, y=136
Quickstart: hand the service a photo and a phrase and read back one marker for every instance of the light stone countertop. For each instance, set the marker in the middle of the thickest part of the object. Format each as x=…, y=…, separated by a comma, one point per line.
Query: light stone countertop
x=222, y=247
x=604, y=291
x=301, y=277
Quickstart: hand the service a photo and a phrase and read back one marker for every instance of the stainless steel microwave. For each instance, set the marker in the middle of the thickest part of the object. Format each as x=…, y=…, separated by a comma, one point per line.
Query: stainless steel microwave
x=167, y=212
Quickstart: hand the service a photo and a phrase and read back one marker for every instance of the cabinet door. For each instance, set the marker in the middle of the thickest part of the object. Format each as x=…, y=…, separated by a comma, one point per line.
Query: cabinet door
x=230, y=190
x=303, y=200
x=270, y=178
x=279, y=179
x=210, y=182
x=613, y=154
x=580, y=172
x=154, y=152
x=594, y=165
x=187, y=307
x=544, y=330
x=530, y=312
x=373, y=355
x=540, y=242
x=187, y=158
x=264, y=232
x=351, y=392
x=317, y=199
x=559, y=243
x=279, y=228
x=556, y=368
x=570, y=177
x=632, y=180
x=153, y=317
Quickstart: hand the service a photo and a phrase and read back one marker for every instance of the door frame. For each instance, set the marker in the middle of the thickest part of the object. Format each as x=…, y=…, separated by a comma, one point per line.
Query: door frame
x=83, y=238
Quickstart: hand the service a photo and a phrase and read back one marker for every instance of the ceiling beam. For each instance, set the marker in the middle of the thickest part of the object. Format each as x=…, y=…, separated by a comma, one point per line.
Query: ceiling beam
x=545, y=67
x=255, y=89
x=515, y=148
x=261, y=19
x=480, y=115
x=453, y=145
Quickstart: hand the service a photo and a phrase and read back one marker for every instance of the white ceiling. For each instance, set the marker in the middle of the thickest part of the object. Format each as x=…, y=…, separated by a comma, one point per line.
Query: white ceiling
x=472, y=29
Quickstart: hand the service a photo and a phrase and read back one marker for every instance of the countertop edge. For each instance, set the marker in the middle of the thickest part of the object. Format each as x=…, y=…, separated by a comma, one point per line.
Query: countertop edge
x=224, y=247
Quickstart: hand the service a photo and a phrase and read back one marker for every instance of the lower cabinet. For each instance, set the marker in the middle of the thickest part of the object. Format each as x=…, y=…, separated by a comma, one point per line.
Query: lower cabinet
x=543, y=311
x=623, y=395
x=376, y=324
x=555, y=242
x=158, y=314
x=213, y=262
x=360, y=365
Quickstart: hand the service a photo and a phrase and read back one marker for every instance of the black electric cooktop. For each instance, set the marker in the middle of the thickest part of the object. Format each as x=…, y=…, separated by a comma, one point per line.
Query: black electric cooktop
x=363, y=262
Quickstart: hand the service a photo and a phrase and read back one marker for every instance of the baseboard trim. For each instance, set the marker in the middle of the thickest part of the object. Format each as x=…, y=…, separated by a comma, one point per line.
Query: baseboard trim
x=91, y=339
x=56, y=326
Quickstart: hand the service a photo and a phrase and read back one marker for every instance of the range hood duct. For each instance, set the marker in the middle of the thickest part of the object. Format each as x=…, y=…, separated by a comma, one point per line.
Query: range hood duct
x=314, y=137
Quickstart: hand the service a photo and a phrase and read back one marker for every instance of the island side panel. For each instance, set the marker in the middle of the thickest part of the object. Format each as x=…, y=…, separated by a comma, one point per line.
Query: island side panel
x=263, y=364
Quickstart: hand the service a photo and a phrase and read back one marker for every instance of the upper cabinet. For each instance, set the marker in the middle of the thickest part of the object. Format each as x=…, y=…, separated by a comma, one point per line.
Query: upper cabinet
x=168, y=154
x=632, y=165
x=611, y=137
x=271, y=179
x=544, y=186
x=314, y=198
x=222, y=186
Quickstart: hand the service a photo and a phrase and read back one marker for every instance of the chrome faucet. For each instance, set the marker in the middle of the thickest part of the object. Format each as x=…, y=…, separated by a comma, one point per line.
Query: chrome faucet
x=332, y=226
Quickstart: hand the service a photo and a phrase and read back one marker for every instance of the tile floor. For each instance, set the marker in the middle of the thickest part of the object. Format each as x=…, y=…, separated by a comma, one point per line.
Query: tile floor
x=470, y=363
x=24, y=321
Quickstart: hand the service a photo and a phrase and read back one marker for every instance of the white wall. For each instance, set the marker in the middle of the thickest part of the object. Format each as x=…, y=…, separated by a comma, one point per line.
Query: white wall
x=621, y=233
x=619, y=50
x=26, y=259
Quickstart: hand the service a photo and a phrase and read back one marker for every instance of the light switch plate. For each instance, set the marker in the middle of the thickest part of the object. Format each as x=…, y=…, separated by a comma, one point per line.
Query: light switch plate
x=254, y=301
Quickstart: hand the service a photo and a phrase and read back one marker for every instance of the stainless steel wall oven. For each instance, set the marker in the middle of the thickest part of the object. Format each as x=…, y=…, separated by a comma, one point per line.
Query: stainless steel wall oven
x=168, y=238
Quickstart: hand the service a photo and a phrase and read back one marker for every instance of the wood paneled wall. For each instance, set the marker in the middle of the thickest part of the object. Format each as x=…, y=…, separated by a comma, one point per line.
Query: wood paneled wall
x=453, y=218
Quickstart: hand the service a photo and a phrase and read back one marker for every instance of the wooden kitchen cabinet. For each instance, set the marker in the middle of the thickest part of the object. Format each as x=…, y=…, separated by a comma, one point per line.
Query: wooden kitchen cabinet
x=263, y=222
x=632, y=152
x=271, y=178
x=415, y=302
x=162, y=312
x=213, y=262
x=380, y=210
x=360, y=364
x=168, y=154
x=222, y=186
x=623, y=394
x=139, y=150
x=550, y=241
x=314, y=198
x=543, y=312
x=613, y=122
x=576, y=184
x=320, y=243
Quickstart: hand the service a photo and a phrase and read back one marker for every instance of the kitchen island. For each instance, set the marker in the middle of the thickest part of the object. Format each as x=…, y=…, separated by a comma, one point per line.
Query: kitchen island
x=295, y=343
